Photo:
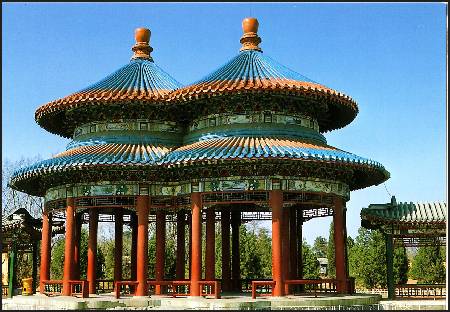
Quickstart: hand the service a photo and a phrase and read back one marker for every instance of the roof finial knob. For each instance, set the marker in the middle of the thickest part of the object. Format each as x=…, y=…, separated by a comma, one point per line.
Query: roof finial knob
x=142, y=48
x=250, y=40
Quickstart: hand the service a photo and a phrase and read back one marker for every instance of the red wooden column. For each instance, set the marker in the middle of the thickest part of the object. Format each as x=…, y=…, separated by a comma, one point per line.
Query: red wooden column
x=69, y=246
x=118, y=244
x=300, y=245
x=210, y=254
x=293, y=243
x=340, y=245
x=133, y=226
x=226, y=258
x=181, y=245
x=45, y=249
x=276, y=204
x=196, y=255
x=76, y=252
x=92, y=250
x=189, y=217
x=142, y=208
x=285, y=248
x=235, y=254
x=160, y=248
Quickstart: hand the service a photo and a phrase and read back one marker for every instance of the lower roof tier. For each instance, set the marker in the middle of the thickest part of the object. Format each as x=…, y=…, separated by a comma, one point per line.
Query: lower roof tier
x=150, y=162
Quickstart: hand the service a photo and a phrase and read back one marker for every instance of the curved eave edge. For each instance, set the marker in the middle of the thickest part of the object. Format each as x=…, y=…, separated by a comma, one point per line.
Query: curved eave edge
x=42, y=173
x=378, y=221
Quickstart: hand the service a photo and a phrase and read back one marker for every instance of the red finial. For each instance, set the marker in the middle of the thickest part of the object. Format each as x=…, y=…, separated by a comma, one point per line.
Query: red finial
x=250, y=40
x=142, y=48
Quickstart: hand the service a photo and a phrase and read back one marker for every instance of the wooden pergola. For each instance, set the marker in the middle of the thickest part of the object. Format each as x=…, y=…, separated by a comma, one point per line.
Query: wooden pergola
x=21, y=232
x=408, y=225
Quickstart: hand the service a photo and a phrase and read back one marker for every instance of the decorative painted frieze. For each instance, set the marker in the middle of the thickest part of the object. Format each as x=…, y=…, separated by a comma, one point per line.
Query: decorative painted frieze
x=215, y=120
x=230, y=184
x=127, y=125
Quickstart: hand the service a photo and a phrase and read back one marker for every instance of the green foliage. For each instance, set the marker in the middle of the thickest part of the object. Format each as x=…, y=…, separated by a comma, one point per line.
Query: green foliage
x=255, y=252
x=57, y=263
x=367, y=260
x=311, y=265
x=57, y=254
x=24, y=266
x=400, y=266
x=428, y=265
x=330, y=253
x=320, y=247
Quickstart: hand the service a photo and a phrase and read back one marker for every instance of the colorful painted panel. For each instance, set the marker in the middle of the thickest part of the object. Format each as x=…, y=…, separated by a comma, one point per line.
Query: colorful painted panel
x=259, y=117
x=128, y=125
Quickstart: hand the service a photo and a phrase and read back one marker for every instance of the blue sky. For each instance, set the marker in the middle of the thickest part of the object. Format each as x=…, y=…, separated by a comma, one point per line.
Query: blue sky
x=390, y=58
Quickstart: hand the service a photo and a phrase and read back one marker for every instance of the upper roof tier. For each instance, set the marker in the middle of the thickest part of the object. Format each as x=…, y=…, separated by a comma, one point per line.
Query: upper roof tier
x=140, y=82
x=253, y=72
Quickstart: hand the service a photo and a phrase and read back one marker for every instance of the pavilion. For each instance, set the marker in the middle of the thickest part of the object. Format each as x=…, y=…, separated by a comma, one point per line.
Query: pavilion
x=408, y=225
x=244, y=143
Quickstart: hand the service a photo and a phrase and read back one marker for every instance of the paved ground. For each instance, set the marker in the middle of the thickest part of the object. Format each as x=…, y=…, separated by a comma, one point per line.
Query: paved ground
x=228, y=302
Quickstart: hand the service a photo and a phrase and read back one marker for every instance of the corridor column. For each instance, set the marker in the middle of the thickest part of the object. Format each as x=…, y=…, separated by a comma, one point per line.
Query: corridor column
x=160, y=247
x=181, y=245
x=226, y=258
x=45, y=249
x=133, y=226
x=235, y=260
x=118, y=245
x=142, y=207
x=69, y=246
x=340, y=245
x=285, y=249
x=293, y=243
x=300, y=247
x=77, y=240
x=276, y=204
x=92, y=250
x=210, y=254
x=196, y=256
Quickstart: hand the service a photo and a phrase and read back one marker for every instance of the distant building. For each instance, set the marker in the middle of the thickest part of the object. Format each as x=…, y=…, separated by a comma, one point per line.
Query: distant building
x=323, y=262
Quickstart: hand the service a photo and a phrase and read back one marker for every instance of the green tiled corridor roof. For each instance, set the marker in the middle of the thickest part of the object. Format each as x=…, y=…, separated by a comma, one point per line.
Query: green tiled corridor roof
x=428, y=212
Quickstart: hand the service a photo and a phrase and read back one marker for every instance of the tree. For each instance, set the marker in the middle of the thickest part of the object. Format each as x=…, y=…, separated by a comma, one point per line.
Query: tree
x=12, y=199
x=367, y=260
x=57, y=255
x=428, y=265
x=330, y=253
x=320, y=247
x=249, y=254
x=311, y=265
x=400, y=265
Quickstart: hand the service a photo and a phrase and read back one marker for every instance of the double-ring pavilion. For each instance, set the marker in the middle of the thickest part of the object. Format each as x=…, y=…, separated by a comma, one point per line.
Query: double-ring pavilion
x=244, y=143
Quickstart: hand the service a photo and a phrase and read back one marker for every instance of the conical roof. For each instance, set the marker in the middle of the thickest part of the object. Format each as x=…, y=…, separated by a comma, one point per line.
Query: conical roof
x=139, y=82
x=253, y=71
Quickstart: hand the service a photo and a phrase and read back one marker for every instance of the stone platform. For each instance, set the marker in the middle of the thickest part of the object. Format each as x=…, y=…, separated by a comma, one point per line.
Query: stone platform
x=227, y=302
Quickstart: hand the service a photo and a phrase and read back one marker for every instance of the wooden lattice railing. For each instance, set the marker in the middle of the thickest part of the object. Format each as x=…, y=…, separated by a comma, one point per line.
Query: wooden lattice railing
x=421, y=291
x=52, y=287
x=104, y=286
x=246, y=284
x=5, y=290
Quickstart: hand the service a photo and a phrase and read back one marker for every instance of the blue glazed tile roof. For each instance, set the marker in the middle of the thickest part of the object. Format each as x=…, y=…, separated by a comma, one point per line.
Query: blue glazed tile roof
x=252, y=70
x=228, y=148
x=93, y=155
x=429, y=212
x=141, y=79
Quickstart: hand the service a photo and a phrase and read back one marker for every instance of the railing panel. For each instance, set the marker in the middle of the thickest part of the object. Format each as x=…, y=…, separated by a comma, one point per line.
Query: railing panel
x=104, y=286
x=432, y=291
x=4, y=290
